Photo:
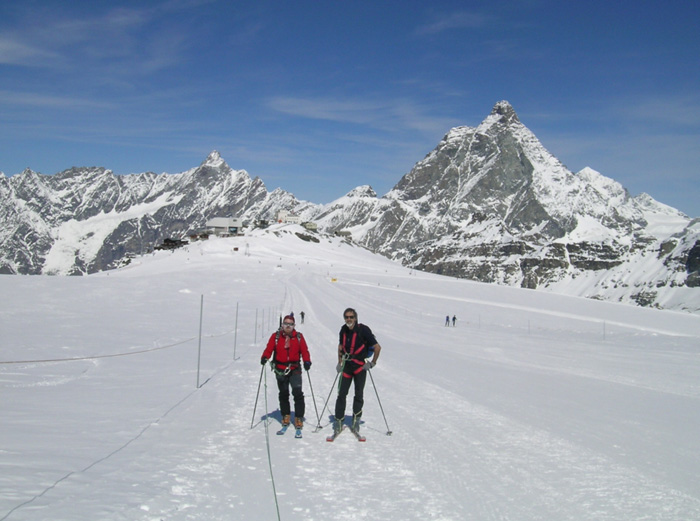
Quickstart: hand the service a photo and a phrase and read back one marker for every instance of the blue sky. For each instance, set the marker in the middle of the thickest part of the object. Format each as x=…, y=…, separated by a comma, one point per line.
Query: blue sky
x=320, y=97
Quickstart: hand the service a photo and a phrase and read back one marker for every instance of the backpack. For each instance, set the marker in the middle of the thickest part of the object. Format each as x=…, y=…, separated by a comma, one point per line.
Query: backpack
x=370, y=351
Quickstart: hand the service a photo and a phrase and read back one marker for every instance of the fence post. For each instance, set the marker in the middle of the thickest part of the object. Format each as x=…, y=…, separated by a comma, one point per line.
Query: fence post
x=199, y=350
x=235, y=333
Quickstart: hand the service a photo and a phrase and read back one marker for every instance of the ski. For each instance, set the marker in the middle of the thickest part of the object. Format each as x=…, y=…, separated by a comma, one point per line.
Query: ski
x=297, y=434
x=359, y=436
x=335, y=434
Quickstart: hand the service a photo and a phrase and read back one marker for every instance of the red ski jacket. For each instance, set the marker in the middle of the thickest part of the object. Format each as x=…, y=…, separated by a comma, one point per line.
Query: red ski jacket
x=289, y=351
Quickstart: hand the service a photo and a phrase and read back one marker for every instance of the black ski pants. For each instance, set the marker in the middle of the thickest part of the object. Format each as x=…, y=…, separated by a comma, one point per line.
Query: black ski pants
x=284, y=382
x=343, y=389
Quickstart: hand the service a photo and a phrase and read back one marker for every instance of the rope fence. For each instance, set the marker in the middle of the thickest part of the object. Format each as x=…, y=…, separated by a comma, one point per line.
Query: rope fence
x=96, y=357
x=265, y=319
x=260, y=325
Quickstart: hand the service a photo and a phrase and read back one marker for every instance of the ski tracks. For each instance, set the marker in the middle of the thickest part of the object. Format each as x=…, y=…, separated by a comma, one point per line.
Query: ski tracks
x=502, y=469
x=217, y=466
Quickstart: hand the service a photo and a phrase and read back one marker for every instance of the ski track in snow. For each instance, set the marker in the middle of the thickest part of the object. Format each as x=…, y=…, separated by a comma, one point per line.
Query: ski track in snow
x=505, y=470
x=489, y=422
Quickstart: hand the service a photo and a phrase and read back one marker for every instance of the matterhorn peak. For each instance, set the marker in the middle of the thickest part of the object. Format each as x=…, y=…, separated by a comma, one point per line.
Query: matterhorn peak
x=505, y=111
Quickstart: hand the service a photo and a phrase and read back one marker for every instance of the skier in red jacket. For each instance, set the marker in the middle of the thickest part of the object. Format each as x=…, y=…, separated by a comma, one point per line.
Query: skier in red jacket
x=289, y=351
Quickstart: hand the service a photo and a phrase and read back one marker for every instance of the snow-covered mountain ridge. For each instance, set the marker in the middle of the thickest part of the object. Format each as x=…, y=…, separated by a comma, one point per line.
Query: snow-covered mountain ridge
x=489, y=203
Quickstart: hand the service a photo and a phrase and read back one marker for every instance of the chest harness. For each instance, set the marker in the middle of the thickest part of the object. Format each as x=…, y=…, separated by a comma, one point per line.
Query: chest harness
x=290, y=365
x=352, y=354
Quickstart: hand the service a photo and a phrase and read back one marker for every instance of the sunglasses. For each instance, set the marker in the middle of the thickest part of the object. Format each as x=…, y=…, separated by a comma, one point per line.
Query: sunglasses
x=349, y=317
x=288, y=324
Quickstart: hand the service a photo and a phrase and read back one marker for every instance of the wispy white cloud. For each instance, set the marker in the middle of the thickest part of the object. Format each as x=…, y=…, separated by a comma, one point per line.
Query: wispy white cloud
x=118, y=41
x=664, y=113
x=450, y=21
x=680, y=110
x=346, y=111
x=383, y=115
x=29, y=99
x=13, y=51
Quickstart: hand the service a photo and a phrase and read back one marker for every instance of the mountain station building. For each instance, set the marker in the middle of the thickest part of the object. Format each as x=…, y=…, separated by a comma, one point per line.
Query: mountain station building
x=224, y=226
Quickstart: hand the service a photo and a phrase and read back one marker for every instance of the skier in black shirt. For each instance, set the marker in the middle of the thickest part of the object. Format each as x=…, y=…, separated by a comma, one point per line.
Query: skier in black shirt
x=356, y=344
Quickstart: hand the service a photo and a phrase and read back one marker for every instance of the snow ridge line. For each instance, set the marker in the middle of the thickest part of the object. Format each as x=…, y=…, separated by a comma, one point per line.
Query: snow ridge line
x=550, y=312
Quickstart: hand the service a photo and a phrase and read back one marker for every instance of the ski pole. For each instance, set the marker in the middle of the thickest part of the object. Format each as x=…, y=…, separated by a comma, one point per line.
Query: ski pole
x=257, y=395
x=324, y=406
x=318, y=418
x=342, y=367
x=388, y=431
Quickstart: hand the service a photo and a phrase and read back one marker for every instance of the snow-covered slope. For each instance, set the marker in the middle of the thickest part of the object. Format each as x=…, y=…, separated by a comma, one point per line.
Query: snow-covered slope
x=535, y=406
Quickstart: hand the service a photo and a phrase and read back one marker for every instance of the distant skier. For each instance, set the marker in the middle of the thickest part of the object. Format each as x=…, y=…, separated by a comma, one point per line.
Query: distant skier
x=356, y=344
x=290, y=351
x=302, y=317
x=454, y=320
x=447, y=320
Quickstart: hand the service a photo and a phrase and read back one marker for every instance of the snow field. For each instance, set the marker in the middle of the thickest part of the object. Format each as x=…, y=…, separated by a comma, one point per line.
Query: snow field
x=535, y=406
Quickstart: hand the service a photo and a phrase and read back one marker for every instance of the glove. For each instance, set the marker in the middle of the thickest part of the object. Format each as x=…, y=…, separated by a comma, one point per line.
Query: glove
x=368, y=365
x=307, y=365
x=339, y=368
x=263, y=360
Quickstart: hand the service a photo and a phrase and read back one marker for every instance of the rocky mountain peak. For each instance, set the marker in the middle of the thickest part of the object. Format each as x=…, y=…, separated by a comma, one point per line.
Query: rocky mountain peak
x=505, y=111
x=362, y=191
x=214, y=160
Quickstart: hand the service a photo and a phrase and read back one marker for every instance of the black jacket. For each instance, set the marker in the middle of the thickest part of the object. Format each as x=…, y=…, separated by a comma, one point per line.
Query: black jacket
x=355, y=342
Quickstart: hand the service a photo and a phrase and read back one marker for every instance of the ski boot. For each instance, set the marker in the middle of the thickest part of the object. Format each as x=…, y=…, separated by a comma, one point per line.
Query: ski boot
x=355, y=424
